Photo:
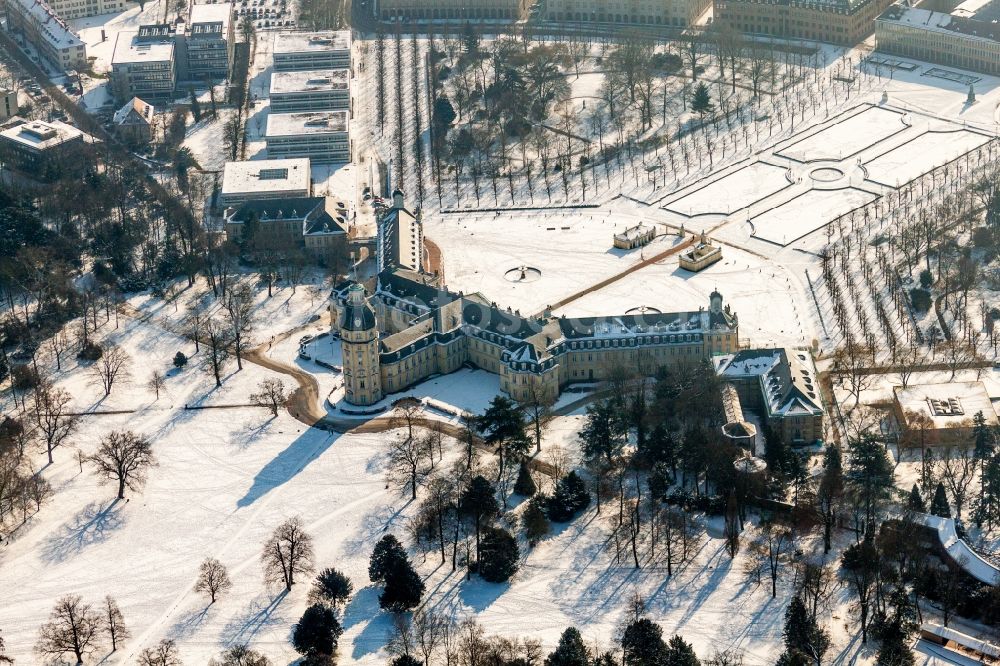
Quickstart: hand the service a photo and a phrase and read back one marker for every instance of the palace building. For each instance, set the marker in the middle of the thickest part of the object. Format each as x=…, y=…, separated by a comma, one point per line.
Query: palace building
x=403, y=326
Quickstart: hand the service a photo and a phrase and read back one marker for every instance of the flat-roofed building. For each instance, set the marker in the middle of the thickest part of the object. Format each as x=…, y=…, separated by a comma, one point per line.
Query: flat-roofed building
x=47, y=32
x=965, y=38
x=845, y=22
x=677, y=13
x=265, y=179
x=942, y=414
x=209, y=40
x=329, y=49
x=43, y=150
x=321, y=136
x=143, y=64
x=311, y=90
x=465, y=10
x=8, y=104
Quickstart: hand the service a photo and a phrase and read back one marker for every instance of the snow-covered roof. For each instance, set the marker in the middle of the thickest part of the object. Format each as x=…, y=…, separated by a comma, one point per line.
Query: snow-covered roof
x=957, y=24
x=319, y=80
x=957, y=549
x=134, y=110
x=55, y=31
x=947, y=405
x=298, y=42
x=787, y=378
x=260, y=176
x=297, y=124
x=210, y=19
x=129, y=49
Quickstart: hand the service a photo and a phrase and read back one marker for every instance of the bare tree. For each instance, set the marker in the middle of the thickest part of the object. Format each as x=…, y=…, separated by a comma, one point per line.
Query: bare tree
x=537, y=406
x=55, y=421
x=163, y=653
x=288, y=552
x=114, y=623
x=73, y=628
x=212, y=578
x=770, y=549
x=157, y=382
x=958, y=468
x=112, y=367
x=406, y=462
x=125, y=457
x=58, y=344
x=238, y=304
x=270, y=395
x=241, y=655
x=218, y=338
x=852, y=361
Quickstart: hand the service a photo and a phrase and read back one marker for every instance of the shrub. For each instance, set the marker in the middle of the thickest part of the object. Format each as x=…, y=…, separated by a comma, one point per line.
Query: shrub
x=180, y=360
x=91, y=351
x=920, y=299
x=926, y=279
x=24, y=377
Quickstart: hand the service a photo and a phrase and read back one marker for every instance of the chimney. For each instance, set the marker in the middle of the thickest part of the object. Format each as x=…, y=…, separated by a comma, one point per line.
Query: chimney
x=397, y=198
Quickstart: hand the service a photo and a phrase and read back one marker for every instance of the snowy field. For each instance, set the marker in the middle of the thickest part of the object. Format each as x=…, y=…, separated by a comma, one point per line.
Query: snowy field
x=732, y=192
x=917, y=157
x=572, y=248
x=772, y=306
x=807, y=213
x=847, y=137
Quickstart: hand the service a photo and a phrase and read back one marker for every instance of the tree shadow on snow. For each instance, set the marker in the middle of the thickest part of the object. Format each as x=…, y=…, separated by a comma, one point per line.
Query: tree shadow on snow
x=188, y=623
x=362, y=606
x=259, y=614
x=308, y=446
x=91, y=525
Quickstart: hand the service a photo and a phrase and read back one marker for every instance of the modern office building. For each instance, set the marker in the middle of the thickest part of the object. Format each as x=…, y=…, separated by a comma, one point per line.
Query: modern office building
x=143, y=64
x=49, y=34
x=8, y=104
x=311, y=90
x=209, y=40
x=43, y=150
x=255, y=180
x=676, y=13
x=967, y=38
x=328, y=49
x=844, y=22
x=321, y=136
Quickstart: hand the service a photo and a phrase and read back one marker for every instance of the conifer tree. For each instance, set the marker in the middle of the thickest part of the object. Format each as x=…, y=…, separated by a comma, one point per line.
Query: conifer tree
x=570, y=652
x=939, y=505
x=499, y=555
x=915, y=502
x=525, y=485
x=316, y=634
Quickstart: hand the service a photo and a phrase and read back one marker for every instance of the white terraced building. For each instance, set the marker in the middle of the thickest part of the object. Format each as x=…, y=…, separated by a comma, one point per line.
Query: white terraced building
x=313, y=90
x=328, y=49
x=265, y=179
x=47, y=32
x=321, y=136
x=74, y=9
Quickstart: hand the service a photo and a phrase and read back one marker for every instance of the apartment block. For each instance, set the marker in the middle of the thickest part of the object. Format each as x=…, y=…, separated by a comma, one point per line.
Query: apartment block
x=328, y=49
x=314, y=90
x=322, y=136
x=47, y=32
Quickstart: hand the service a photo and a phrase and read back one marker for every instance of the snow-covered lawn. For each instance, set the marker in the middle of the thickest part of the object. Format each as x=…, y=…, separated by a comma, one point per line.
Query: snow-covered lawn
x=932, y=149
x=847, y=137
x=732, y=192
x=572, y=248
x=807, y=213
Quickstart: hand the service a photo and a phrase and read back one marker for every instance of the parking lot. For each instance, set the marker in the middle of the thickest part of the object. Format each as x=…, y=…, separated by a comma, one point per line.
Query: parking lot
x=266, y=14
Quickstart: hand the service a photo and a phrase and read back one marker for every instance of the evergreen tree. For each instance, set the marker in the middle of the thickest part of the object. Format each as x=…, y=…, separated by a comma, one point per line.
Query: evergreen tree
x=802, y=634
x=478, y=502
x=570, y=498
x=915, y=502
x=525, y=485
x=499, y=555
x=680, y=653
x=829, y=492
x=331, y=587
x=570, y=652
x=405, y=660
x=403, y=588
x=701, y=100
x=794, y=658
x=660, y=447
x=195, y=105
x=444, y=113
x=386, y=556
x=316, y=635
x=989, y=508
x=659, y=481
x=870, y=473
x=502, y=426
x=642, y=644
x=180, y=360
x=536, y=523
x=939, y=505
x=470, y=38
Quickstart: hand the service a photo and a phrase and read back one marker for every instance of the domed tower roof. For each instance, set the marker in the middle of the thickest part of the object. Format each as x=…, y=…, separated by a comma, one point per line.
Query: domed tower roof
x=358, y=313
